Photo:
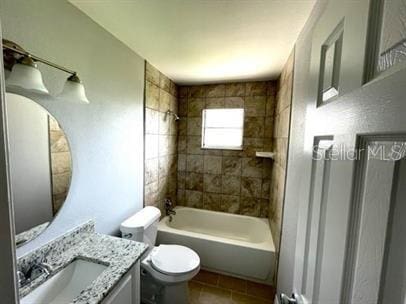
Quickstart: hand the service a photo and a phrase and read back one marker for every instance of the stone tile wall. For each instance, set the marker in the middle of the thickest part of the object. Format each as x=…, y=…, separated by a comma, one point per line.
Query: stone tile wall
x=280, y=140
x=60, y=165
x=225, y=180
x=160, y=138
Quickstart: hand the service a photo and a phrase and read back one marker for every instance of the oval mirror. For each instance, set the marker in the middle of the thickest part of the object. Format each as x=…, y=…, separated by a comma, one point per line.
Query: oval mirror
x=40, y=166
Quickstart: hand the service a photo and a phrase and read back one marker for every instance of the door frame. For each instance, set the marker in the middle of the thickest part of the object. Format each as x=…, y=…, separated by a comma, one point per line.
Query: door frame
x=8, y=280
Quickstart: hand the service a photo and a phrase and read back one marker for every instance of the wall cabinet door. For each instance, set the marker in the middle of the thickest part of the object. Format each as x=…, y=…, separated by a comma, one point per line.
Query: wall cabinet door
x=128, y=289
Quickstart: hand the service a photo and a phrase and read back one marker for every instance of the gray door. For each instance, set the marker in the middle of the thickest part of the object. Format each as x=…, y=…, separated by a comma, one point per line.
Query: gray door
x=343, y=237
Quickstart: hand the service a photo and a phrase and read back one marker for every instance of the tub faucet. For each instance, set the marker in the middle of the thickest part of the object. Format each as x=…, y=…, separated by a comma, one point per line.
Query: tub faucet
x=169, y=208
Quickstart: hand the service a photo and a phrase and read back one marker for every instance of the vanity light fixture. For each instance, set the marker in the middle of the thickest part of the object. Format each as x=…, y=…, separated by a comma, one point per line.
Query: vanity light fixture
x=25, y=73
x=73, y=90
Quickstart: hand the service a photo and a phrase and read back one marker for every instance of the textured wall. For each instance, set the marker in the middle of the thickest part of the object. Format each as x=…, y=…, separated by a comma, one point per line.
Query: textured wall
x=225, y=180
x=160, y=138
x=280, y=140
x=106, y=135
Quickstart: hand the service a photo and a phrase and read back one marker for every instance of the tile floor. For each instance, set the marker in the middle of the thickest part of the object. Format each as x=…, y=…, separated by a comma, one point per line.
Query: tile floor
x=211, y=288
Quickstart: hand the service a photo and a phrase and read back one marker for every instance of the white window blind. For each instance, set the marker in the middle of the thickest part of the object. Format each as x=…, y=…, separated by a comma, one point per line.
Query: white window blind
x=223, y=129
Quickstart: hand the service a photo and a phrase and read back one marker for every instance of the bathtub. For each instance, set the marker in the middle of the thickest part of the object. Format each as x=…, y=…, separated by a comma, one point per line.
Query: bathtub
x=236, y=245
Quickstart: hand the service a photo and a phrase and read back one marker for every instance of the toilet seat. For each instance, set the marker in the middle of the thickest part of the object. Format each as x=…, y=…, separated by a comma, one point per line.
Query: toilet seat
x=174, y=260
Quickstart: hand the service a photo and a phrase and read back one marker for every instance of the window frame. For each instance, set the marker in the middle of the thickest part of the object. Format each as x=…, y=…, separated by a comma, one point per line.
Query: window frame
x=232, y=148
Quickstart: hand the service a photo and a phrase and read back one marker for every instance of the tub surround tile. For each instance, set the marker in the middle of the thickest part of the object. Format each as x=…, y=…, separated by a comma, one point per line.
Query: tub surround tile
x=230, y=203
x=234, y=102
x=194, y=181
x=251, y=187
x=194, y=199
x=183, y=92
x=215, y=90
x=151, y=170
x=231, y=184
x=258, y=88
x=119, y=254
x=252, y=167
x=164, y=101
x=151, y=96
x=250, y=206
x=211, y=201
x=151, y=121
x=194, y=163
x=165, y=83
x=181, y=197
x=195, y=107
x=194, y=126
x=182, y=127
x=194, y=144
x=235, y=89
x=161, y=138
x=254, y=126
x=152, y=74
x=228, y=175
x=196, y=91
x=212, y=164
x=182, y=144
x=282, y=108
x=181, y=180
x=254, y=106
x=212, y=183
x=232, y=166
x=214, y=103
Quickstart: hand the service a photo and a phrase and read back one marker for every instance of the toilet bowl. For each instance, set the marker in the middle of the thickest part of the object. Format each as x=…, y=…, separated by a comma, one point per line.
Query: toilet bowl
x=165, y=273
x=165, y=269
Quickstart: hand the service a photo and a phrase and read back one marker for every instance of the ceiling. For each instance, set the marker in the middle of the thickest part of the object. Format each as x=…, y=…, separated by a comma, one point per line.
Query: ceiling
x=205, y=41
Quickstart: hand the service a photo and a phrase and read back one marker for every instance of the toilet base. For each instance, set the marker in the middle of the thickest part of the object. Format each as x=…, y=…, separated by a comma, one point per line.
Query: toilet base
x=154, y=292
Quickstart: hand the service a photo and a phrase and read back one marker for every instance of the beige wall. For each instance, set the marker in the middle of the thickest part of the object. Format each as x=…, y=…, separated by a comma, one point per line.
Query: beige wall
x=160, y=138
x=280, y=139
x=224, y=180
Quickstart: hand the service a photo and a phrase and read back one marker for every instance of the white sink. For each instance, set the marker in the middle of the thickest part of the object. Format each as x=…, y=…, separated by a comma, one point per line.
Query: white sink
x=66, y=284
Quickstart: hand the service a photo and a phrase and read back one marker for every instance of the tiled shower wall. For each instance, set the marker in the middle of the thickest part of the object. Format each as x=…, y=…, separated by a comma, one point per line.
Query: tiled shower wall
x=61, y=168
x=160, y=138
x=280, y=140
x=225, y=180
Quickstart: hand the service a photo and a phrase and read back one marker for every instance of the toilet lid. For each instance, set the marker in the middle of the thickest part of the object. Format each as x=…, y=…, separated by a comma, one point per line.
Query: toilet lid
x=174, y=259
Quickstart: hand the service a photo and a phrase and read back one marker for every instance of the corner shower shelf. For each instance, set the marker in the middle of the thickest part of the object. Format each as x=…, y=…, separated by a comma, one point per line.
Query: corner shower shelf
x=265, y=154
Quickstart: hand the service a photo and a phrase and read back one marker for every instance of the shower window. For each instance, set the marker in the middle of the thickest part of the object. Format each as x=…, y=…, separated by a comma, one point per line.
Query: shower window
x=223, y=129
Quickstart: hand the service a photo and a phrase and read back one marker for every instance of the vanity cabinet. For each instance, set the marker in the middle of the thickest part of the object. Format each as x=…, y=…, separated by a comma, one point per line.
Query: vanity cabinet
x=128, y=290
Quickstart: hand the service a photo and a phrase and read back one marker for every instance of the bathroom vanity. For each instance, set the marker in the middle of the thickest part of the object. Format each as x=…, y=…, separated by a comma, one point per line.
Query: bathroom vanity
x=82, y=266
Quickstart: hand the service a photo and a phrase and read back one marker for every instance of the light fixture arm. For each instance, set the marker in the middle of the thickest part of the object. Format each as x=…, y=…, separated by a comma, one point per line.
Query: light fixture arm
x=15, y=48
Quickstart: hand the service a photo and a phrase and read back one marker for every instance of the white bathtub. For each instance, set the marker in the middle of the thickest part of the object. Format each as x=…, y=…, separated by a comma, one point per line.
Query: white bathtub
x=237, y=245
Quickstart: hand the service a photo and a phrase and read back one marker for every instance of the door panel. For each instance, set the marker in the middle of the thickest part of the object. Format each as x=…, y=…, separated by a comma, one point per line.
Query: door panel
x=344, y=215
x=316, y=218
x=370, y=216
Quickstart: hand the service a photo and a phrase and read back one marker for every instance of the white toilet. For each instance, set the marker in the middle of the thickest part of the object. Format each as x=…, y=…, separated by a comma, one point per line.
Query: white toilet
x=165, y=269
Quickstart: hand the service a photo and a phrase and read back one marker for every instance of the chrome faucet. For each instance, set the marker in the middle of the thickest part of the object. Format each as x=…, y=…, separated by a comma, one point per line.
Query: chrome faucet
x=34, y=272
x=169, y=209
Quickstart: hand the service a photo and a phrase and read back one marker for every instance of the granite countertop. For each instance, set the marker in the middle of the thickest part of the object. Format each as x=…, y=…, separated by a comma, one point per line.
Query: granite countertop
x=30, y=234
x=118, y=254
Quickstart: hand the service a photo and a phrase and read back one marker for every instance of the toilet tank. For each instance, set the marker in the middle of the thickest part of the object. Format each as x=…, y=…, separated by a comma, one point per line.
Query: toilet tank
x=142, y=226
